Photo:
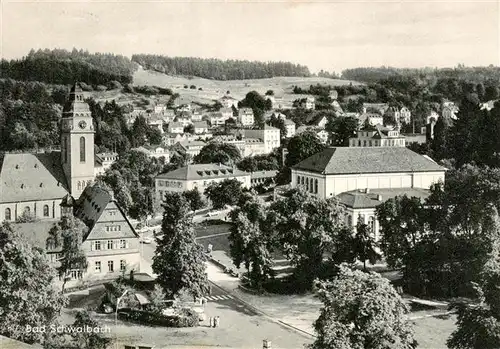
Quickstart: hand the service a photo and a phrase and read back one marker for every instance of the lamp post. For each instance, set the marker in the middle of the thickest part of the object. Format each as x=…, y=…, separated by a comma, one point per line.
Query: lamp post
x=116, y=316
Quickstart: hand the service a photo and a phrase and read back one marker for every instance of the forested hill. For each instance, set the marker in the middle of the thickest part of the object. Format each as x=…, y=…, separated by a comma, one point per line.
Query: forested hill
x=218, y=69
x=486, y=75
x=65, y=67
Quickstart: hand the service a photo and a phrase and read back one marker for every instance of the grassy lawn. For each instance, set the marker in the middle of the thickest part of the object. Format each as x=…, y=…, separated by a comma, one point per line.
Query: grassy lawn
x=432, y=332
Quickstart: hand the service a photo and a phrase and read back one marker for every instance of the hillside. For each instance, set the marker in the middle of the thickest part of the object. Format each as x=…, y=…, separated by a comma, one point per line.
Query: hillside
x=213, y=89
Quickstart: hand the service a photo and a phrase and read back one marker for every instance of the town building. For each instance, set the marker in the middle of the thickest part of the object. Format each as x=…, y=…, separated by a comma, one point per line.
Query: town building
x=268, y=134
x=400, y=115
x=379, y=108
x=262, y=177
x=321, y=133
x=245, y=116
x=228, y=102
x=216, y=118
x=380, y=136
x=316, y=120
x=156, y=122
x=191, y=148
x=308, y=103
x=339, y=169
x=175, y=127
x=198, y=176
x=111, y=243
x=155, y=151
x=290, y=128
x=200, y=127
x=160, y=108
x=227, y=113
x=373, y=119
x=103, y=161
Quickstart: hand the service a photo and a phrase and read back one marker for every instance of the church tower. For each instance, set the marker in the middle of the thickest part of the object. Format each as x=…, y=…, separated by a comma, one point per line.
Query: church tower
x=77, y=142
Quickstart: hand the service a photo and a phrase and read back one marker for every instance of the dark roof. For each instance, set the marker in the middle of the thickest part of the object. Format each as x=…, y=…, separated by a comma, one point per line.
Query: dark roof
x=73, y=104
x=94, y=208
x=375, y=197
x=31, y=177
x=314, y=119
x=202, y=171
x=351, y=160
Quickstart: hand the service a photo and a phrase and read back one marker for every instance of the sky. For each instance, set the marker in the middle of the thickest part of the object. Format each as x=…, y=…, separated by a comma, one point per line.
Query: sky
x=329, y=35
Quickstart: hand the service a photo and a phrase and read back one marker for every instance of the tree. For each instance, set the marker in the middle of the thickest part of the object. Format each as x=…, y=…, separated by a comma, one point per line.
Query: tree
x=269, y=93
x=478, y=325
x=365, y=246
x=491, y=93
x=278, y=123
x=307, y=227
x=189, y=129
x=27, y=291
x=88, y=339
x=361, y=310
x=68, y=235
x=342, y=128
x=194, y=199
x=264, y=162
x=226, y=192
x=251, y=243
x=179, y=260
x=218, y=152
x=439, y=143
x=302, y=146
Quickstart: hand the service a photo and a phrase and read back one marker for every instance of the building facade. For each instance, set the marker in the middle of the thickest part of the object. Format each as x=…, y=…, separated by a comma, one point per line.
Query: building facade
x=246, y=117
x=379, y=137
x=268, y=134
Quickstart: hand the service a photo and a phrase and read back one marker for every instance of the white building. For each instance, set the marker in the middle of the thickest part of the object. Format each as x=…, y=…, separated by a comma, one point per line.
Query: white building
x=156, y=122
x=228, y=102
x=226, y=112
x=380, y=137
x=309, y=103
x=200, y=127
x=175, y=127
x=320, y=133
x=103, y=161
x=290, y=128
x=198, y=176
x=269, y=135
x=155, y=151
x=191, y=148
x=216, y=118
x=246, y=117
x=378, y=173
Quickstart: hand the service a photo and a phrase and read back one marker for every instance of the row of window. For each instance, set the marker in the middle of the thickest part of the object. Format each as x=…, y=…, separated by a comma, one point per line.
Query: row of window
x=82, y=184
x=99, y=245
x=361, y=218
x=173, y=184
x=388, y=142
x=113, y=228
x=111, y=266
x=27, y=210
x=311, y=184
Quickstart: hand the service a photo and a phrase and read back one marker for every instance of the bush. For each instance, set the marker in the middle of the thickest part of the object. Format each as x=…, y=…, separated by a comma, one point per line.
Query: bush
x=185, y=318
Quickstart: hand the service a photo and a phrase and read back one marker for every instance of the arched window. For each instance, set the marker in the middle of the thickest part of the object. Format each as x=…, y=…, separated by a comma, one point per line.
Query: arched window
x=307, y=184
x=311, y=186
x=298, y=180
x=45, y=210
x=82, y=149
x=316, y=186
x=8, y=216
x=359, y=143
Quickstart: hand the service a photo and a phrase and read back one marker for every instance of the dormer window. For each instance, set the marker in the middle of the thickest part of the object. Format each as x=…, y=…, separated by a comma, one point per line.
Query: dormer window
x=36, y=165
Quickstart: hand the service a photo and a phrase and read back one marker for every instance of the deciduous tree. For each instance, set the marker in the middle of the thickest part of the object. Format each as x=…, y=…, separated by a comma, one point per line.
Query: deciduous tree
x=226, y=192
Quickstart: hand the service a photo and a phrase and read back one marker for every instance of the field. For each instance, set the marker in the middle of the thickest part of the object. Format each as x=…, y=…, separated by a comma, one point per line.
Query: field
x=214, y=89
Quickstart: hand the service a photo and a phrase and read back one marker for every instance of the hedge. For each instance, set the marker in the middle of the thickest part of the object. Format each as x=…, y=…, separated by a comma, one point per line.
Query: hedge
x=186, y=318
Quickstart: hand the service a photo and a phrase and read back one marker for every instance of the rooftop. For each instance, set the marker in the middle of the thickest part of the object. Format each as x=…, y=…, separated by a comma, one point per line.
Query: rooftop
x=357, y=160
x=202, y=171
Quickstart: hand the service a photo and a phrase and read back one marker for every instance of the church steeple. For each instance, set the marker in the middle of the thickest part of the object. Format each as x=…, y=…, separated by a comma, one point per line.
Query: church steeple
x=77, y=142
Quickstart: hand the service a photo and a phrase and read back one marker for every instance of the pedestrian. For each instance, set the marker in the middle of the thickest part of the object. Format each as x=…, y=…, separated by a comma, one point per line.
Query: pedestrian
x=211, y=322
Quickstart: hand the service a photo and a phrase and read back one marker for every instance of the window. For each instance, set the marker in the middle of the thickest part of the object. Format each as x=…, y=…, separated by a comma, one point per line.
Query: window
x=8, y=216
x=97, y=245
x=316, y=186
x=361, y=218
x=82, y=149
x=370, y=143
x=122, y=265
x=123, y=244
x=27, y=210
x=74, y=274
x=111, y=267
x=371, y=223
x=110, y=244
x=364, y=143
x=359, y=143
x=45, y=210
x=98, y=267
x=349, y=221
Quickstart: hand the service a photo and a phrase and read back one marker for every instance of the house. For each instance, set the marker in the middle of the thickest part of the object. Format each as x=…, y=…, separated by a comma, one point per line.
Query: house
x=103, y=161
x=184, y=108
x=488, y=105
x=200, y=127
x=155, y=151
x=228, y=101
x=36, y=183
x=169, y=139
x=340, y=169
x=156, y=122
x=160, y=108
x=111, y=244
x=333, y=94
x=380, y=136
x=253, y=146
x=360, y=204
x=226, y=112
x=374, y=119
x=308, y=103
x=268, y=134
x=191, y=148
x=217, y=118
x=175, y=127
x=198, y=176
x=290, y=128
x=184, y=118
x=401, y=116
x=320, y=133
x=337, y=107
x=245, y=116
x=316, y=120
x=196, y=115
x=262, y=177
